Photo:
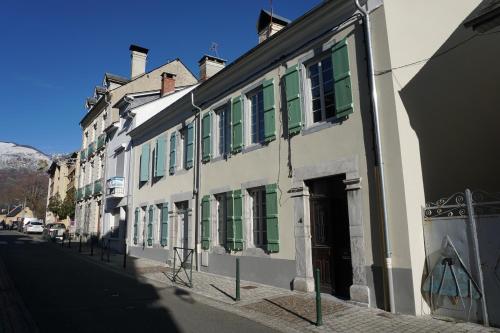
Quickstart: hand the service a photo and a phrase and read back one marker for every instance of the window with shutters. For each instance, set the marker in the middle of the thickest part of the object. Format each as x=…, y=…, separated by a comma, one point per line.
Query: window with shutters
x=256, y=107
x=220, y=200
x=258, y=216
x=223, y=128
x=320, y=78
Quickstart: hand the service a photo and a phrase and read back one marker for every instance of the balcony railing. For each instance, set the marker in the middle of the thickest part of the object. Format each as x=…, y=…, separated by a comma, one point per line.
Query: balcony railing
x=101, y=140
x=115, y=187
x=80, y=194
x=88, y=190
x=83, y=155
x=98, y=187
x=91, y=149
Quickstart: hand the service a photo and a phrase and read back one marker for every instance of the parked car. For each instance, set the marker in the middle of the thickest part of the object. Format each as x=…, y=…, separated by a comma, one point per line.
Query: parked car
x=14, y=225
x=57, y=231
x=33, y=227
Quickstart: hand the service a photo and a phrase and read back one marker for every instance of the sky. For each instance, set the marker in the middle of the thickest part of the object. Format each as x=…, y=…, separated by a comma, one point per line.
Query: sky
x=54, y=52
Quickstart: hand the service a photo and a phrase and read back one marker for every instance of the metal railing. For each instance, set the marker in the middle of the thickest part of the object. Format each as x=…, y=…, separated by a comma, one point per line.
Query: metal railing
x=185, y=256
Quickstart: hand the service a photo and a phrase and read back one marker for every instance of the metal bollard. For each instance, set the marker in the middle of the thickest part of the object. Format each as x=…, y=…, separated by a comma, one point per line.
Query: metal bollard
x=124, y=255
x=237, y=279
x=319, y=313
x=80, y=245
x=91, y=246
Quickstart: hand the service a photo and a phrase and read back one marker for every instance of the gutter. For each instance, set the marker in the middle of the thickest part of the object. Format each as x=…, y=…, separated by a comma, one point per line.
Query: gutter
x=197, y=180
x=378, y=152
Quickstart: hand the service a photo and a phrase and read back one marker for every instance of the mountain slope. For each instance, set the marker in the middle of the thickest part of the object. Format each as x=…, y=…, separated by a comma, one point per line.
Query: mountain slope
x=14, y=156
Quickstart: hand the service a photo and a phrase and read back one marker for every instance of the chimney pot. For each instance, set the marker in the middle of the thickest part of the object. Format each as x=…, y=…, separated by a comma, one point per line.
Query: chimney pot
x=167, y=83
x=139, y=56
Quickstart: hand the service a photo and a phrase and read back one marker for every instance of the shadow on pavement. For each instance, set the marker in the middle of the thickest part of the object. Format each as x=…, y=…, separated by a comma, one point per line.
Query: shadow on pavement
x=65, y=292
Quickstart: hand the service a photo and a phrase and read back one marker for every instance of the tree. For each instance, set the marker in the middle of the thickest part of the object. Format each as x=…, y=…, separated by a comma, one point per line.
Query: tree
x=68, y=205
x=55, y=205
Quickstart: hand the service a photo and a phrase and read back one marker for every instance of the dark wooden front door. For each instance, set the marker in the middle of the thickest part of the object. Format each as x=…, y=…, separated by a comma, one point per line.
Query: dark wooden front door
x=330, y=241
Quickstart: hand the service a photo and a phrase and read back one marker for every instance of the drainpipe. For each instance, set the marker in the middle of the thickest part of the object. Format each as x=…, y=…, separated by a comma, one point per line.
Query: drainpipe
x=197, y=175
x=378, y=152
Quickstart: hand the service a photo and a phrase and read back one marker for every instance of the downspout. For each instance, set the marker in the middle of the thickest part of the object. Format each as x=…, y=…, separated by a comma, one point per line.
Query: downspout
x=379, y=156
x=197, y=175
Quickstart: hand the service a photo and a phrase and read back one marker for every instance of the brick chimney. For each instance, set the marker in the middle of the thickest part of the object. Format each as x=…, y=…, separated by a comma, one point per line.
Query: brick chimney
x=269, y=24
x=167, y=83
x=138, y=63
x=209, y=66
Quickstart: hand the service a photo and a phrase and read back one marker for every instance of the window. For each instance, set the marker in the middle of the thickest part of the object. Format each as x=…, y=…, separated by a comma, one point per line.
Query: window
x=223, y=130
x=221, y=219
x=256, y=100
x=322, y=89
x=258, y=211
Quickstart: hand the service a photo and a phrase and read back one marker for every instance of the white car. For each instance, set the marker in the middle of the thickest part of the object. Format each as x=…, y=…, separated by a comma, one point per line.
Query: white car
x=33, y=227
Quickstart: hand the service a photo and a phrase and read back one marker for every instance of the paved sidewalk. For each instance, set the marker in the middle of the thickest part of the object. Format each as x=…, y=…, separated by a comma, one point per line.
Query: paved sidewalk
x=282, y=309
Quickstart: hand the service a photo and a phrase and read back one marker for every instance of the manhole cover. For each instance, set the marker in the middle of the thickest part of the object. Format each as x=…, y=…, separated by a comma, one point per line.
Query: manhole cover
x=249, y=287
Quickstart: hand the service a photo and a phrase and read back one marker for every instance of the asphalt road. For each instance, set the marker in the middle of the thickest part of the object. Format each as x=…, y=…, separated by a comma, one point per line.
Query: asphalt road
x=65, y=293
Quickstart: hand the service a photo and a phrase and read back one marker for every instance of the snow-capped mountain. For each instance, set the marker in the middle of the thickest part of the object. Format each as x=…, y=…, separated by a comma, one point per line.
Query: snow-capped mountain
x=14, y=156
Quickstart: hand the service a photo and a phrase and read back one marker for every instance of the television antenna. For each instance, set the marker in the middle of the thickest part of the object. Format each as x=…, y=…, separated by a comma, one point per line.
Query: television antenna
x=214, y=48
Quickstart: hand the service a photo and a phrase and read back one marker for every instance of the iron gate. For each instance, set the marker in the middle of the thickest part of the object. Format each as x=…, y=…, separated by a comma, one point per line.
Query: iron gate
x=462, y=245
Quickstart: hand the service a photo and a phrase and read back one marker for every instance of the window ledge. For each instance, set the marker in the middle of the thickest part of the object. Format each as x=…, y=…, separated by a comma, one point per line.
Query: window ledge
x=322, y=125
x=254, y=146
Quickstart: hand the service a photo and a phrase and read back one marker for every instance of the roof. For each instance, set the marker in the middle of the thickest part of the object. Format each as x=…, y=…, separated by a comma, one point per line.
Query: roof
x=266, y=17
x=485, y=17
x=148, y=110
x=115, y=78
x=14, y=211
x=135, y=94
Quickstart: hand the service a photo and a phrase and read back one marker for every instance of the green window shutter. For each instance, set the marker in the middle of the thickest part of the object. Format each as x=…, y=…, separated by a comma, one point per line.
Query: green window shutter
x=164, y=225
x=144, y=170
x=150, y=226
x=206, y=136
x=173, y=152
x=230, y=239
x=238, y=220
x=272, y=218
x=269, y=111
x=160, y=157
x=190, y=146
x=237, y=125
x=136, y=221
x=205, y=222
x=292, y=91
x=342, y=79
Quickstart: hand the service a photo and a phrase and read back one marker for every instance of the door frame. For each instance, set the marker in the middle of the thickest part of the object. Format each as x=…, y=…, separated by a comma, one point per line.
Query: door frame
x=304, y=280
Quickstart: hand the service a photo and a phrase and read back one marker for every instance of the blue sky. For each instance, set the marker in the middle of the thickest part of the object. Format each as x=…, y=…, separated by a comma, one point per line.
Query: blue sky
x=54, y=52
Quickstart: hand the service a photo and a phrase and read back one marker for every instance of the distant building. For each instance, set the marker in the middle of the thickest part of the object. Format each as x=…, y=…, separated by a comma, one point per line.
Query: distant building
x=18, y=213
x=61, y=182
x=102, y=127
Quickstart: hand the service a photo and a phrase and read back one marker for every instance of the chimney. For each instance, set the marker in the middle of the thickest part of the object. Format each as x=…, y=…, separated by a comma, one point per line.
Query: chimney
x=209, y=66
x=269, y=23
x=167, y=83
x=138, y=63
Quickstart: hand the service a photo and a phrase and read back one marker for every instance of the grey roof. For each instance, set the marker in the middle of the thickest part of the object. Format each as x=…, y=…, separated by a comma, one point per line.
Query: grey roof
x=485, y=17
x=116, y=78
x=266, y=17
x=14, y=211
